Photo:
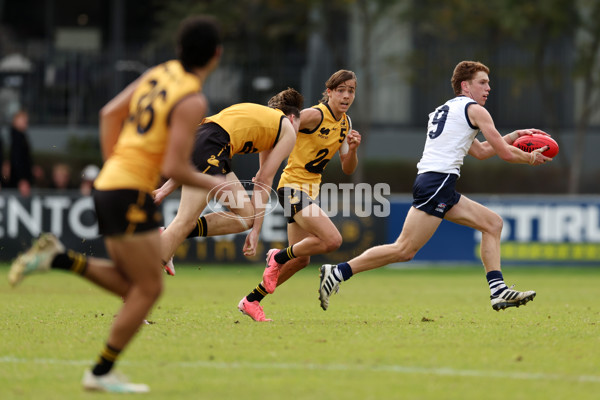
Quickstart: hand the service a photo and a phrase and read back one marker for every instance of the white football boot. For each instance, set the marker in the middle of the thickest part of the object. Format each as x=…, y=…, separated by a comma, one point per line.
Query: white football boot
x=329, y=284
x=37, y=259
x=511, y=298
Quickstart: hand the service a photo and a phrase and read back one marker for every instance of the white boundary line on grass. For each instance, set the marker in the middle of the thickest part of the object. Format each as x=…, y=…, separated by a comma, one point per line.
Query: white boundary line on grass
x=333, y=367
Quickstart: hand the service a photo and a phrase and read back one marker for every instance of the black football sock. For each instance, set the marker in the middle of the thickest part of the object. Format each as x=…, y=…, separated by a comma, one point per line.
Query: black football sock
x=70, y=261
x=200, y=229
x=284, y=255
x=257, y=294
x=106, y=360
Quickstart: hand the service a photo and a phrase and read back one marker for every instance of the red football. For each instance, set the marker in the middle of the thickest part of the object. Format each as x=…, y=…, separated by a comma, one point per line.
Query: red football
x=530, y=143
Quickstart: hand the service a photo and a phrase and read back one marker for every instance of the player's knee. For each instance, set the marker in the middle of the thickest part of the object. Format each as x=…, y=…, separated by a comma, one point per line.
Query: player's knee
x=401, y=253
x=153, y=289
x=157, y=290
x=404, y=256
x=333, y=243
x=496, y=224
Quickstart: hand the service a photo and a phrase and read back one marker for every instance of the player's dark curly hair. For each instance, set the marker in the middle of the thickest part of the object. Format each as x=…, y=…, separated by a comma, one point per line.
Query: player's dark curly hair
x=197, y=40
x=289, y=101
x=465, y=71
x=336, y=80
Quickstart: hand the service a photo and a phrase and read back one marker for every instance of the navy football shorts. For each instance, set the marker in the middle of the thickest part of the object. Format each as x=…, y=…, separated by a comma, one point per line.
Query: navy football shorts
x=435, y=193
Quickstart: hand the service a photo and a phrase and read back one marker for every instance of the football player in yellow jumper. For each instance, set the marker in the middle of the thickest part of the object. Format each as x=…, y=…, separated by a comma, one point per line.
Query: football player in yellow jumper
x=324, y=130
x=242, y=128
x=146, y=131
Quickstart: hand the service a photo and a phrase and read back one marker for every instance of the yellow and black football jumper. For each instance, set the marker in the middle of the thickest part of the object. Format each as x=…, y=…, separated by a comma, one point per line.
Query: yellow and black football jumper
x=301, y=178
x=240, y=129
x=123, y=197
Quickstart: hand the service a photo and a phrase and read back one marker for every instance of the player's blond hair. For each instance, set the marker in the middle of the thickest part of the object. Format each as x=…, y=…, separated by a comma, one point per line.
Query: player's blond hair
x=465, y=71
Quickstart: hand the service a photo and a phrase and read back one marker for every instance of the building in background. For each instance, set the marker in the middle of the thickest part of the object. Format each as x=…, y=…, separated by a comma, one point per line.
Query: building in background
x=75, y=55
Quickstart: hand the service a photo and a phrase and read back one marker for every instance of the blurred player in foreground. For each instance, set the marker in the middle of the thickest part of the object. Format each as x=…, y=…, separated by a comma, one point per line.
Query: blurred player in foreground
x=324, y=130
x=451, y=133
x=240, y=129
x=146, y=130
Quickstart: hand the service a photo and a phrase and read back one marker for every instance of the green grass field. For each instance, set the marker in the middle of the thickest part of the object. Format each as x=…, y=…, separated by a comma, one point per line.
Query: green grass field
x=417, y=333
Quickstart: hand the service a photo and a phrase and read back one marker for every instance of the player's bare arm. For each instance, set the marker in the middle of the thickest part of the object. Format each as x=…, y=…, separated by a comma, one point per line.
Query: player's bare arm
x=511, y=137
x=186, y=116
x=270, y=161
x=483, y=151
x=348, y=152
x=112, y=116
x=166, y=189
x=496, y=144
x=310, y=119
